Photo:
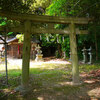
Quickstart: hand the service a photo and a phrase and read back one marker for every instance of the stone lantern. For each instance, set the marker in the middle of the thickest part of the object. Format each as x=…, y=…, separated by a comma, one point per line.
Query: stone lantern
x=39, y=55
x=84, y=55
x=90, y=55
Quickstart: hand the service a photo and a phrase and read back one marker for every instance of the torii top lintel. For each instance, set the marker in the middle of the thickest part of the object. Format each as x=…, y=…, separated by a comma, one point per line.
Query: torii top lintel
x=44, y=19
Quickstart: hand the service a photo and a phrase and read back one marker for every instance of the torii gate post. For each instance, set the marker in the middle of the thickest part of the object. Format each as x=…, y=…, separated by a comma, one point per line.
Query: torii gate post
x=74, y=56
x=26, y=55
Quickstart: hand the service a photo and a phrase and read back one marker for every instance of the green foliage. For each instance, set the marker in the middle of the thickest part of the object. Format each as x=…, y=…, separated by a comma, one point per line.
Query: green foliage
x=54, y=40
x=57, y=55
x=39, y=3
x=66, y=45
x=48, y=40
x=10, y=33
x=56, y=8
x=20, y=38
x=3, y=23
x=74, y=8
x=13, y=5
x=86, y=8
x=88, y=68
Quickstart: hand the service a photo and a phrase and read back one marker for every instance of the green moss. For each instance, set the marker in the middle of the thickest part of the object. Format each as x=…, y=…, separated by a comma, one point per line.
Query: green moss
x=67, y=89
x=88, y=68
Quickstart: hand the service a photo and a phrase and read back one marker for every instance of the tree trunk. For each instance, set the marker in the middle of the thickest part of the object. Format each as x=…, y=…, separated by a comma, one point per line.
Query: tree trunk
x=74, y=56
x=6, y=60
x=26, y=55
x=59, y=50
x=96, y=46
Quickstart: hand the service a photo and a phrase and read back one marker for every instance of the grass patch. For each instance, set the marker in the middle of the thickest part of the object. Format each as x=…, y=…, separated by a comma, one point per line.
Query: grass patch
x=88, y=68
x=67, y=89
x=14, y=73
x=45, y=80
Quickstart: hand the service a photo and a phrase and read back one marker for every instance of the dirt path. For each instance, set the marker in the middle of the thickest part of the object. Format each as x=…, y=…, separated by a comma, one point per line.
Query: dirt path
x=17, y=63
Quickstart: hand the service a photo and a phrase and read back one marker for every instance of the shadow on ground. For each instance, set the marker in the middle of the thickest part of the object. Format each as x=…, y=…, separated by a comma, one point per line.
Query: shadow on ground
x=50, y=84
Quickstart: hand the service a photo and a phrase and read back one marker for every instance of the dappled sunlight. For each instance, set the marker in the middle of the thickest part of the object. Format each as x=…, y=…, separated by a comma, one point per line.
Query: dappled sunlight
x=6, y=90
x=40, y=98
x=65, y=83
x=94, y=92
x=48, y=64
x=58, y=62
x=17, y=64
x=89, y=81
x=10, y=67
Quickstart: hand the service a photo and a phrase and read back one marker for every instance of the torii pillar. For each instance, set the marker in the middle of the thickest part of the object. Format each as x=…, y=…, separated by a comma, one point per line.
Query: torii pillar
x=74, y=56
x=26, y=55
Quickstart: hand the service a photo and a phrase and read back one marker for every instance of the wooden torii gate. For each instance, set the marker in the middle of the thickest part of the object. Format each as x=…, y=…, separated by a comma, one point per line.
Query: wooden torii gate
x=28, y=29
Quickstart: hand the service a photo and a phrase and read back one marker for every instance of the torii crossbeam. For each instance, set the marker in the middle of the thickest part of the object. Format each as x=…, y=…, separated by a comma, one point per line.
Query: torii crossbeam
x=44, y=19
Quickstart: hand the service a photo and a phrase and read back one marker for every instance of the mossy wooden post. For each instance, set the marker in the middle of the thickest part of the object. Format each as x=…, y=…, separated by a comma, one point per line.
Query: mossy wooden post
x=74, y=56
x=26, y=55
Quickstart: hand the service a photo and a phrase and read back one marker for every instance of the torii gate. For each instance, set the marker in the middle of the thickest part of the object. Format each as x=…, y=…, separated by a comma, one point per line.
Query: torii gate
x=27, y=29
